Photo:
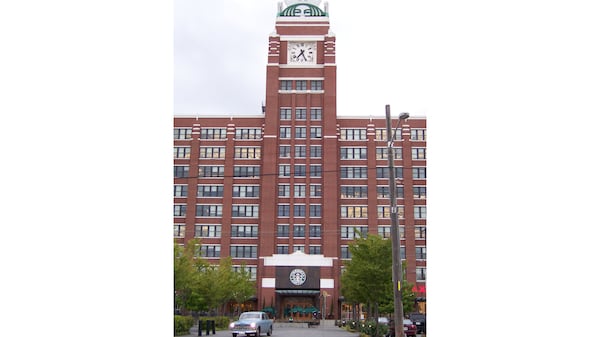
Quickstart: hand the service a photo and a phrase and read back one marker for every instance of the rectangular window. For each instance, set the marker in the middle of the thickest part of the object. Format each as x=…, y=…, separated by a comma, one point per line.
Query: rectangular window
x=299, y=191
x=315, y=190
x=181, y=171
x=382, y=153
x=246, y=191
x=299, y=231
x=300, y=132
x=207, y=231
x=246, y=171
x=240, y=252
x=300, y=113
x=244, y=231
x=182, y=133
x=315, y=132
x=283, y=210
x=299, y=211
x=345, y=253
x=244, y=211
x=384, y=192
x=211, y=171
x=419, y=172
x=418, y=153
x=285, y=85
x=314, y=211
x=249, y=269
x=212, y=152
x=178, y=230
x=180, y=191
x=299, y=248
x=381, y=134
x=285, y=132
x=315, y=171
x=301, y=85
x=315, y=151
x=353, y=192
x=353, y=232
x=353, y=172
x=209, y=210
x=383, y=172
x=383, y=212
x=285, y=114
x=353, y=134
x=248, y=133
x=316, y=85
x=300, y=151
x=420, y=232
x=357, y=212
x=384, y=231
x=419, y=192
x=418, y=134
x=421, y=274
x=314, y=250
x=179, y=210
x=284, y=170
x=209, y=250
x=353, y=153
x=215, y=133
x=420, y=212
x=314, y=231
x=252, y=152
x=316, y=114
x=300, y=170
x=283, y=231
x=283, y=190
x=421, y=253
x=283, y=249
x=181, y=152
x=284, y=151
x=210, y=191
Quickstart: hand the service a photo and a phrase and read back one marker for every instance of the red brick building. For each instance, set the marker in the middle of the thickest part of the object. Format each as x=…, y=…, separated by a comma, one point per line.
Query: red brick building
x=284, y=191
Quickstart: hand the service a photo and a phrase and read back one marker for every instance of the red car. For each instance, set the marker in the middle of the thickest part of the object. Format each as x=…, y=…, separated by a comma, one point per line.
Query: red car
x=410, y=329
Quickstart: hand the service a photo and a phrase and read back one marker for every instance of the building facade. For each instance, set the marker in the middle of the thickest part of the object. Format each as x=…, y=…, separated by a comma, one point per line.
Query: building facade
x=283, y=192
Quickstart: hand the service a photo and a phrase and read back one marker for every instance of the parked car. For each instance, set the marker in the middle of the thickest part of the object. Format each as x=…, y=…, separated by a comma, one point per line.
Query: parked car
x=410, y=329
x=420, y=321
x=252, y=323
x=383, y=320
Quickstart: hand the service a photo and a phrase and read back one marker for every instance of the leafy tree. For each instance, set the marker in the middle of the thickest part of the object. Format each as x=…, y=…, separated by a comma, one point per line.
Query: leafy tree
x=368, y=275
x=188, y=294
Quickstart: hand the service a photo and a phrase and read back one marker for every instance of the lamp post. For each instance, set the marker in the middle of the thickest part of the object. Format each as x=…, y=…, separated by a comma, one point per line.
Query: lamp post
x=396, y=263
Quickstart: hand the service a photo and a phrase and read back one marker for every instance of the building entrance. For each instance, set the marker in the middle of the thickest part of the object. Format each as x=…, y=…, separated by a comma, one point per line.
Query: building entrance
x=298, y=307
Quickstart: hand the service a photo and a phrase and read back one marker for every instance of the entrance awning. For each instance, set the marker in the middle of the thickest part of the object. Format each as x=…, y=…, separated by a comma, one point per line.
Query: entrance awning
x=297, y=292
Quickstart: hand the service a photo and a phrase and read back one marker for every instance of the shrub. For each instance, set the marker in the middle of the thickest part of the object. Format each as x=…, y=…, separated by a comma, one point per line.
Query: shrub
x=183, y=325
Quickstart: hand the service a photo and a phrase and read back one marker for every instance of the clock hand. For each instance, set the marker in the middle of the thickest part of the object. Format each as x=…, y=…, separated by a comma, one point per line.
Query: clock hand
x=302, y=54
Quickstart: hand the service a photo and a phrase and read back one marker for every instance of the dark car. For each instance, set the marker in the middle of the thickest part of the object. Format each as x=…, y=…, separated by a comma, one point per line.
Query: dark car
x=420, y=321
x=410, y=329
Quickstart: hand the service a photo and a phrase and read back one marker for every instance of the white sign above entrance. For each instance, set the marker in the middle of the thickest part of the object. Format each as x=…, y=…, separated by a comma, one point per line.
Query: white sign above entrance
x=298, y=258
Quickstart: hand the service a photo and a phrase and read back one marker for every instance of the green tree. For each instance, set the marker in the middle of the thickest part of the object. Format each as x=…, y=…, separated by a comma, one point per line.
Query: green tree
x=187, y=277
x=368, y=275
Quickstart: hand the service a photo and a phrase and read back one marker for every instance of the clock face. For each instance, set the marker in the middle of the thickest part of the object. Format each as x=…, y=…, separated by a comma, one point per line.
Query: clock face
x=302, y=52
x=297, y=277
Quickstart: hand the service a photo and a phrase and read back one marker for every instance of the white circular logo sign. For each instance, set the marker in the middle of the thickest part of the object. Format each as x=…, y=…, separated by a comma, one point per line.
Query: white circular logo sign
x=298, y=277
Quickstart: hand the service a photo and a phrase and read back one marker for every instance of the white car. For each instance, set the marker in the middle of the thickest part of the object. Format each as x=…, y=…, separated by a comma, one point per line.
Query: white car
x=252, y=323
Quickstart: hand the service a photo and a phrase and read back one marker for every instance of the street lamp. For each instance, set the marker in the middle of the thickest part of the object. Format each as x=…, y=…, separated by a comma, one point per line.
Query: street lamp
x=396, y=263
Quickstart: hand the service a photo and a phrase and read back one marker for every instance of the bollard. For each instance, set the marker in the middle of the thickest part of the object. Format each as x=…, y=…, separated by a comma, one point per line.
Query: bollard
x=213, y=326
x=207, y=327
x=199, y=328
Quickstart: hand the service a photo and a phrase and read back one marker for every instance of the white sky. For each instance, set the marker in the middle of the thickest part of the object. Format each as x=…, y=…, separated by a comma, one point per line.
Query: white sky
x=221, y=55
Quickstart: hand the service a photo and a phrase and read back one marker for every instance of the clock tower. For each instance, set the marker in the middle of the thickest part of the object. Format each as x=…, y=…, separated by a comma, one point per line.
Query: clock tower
x=300, y=167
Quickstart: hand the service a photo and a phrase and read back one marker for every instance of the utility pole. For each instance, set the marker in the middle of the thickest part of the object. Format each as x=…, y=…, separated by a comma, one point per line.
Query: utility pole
x=396, y=263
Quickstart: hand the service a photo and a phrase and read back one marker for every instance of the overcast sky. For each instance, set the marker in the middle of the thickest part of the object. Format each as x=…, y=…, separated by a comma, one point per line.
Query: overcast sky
x=221, y=55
